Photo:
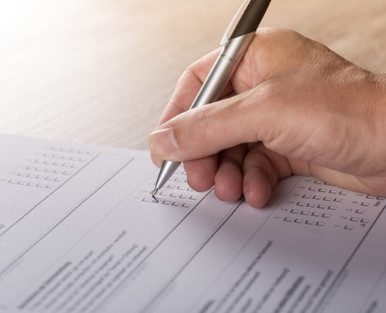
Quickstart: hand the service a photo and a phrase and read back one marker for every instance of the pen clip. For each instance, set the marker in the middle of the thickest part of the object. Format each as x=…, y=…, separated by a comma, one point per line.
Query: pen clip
x=235, y=20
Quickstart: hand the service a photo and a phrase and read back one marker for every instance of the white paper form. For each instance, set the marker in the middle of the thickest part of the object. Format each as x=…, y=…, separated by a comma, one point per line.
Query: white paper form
x=79, y=232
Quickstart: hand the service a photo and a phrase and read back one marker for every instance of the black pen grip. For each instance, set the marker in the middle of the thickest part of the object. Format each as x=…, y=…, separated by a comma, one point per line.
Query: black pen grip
x=251, y=18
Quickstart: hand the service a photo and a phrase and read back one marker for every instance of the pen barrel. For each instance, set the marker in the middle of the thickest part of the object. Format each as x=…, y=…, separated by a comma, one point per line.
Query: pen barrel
x=251, y=17
x=167, y=170
x=222, y=70
x=212, y=88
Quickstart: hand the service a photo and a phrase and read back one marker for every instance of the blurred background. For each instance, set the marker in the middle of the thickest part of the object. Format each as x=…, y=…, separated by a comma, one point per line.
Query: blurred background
x=101, y=71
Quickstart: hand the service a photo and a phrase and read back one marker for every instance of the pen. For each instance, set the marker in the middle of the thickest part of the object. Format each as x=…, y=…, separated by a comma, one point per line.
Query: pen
x=235, y=42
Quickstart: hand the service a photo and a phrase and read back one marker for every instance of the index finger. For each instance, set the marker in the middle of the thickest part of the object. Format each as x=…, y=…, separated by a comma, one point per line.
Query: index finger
x=188, y=86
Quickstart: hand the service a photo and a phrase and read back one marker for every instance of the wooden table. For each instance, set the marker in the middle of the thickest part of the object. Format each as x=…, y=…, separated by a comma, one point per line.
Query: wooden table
x=101, y=71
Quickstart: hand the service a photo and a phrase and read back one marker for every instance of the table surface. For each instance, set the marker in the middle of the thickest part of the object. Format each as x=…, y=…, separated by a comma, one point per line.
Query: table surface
x=101, y=71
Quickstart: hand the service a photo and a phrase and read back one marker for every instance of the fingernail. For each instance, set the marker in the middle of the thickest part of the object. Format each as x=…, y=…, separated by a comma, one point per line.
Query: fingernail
x=163, y=143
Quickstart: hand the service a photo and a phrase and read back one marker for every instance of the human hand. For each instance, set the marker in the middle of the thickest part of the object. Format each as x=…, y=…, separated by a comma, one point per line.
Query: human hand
x=292, y=107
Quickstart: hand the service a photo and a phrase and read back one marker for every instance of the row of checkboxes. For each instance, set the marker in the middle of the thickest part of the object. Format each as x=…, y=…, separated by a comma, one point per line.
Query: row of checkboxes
x=316, y=206
x=304, y=221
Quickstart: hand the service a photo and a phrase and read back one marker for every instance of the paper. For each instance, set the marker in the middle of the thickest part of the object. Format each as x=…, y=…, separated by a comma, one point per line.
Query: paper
x=79, y=232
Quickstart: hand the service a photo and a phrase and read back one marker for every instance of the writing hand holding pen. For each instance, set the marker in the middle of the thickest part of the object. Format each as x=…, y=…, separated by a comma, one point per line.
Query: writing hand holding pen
x=236, y=40
x=297, y=108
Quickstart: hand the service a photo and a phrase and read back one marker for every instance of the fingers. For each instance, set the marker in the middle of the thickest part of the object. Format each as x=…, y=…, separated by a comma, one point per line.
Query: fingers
x=262, y=169
x=252, y=173
x=229, y=179
x=210, y=129
x=223, y=172
x=200, y=173
x=189, y=85
x=240, y=171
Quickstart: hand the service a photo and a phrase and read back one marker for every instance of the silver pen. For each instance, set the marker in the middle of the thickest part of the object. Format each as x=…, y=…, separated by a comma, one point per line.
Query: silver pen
x=235, y=42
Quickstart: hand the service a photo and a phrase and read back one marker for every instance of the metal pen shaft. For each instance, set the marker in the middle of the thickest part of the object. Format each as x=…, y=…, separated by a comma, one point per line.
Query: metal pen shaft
x=166, y=171
x=211, y=90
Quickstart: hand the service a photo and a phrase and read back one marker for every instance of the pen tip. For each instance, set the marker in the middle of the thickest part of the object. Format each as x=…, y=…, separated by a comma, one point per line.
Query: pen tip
x=154, y=193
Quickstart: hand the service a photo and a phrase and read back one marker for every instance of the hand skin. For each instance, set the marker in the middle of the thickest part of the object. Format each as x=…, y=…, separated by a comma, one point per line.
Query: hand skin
x=292, y=107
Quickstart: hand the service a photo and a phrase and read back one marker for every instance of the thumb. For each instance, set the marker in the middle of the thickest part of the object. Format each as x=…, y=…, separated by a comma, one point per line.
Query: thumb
x=207, y=130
